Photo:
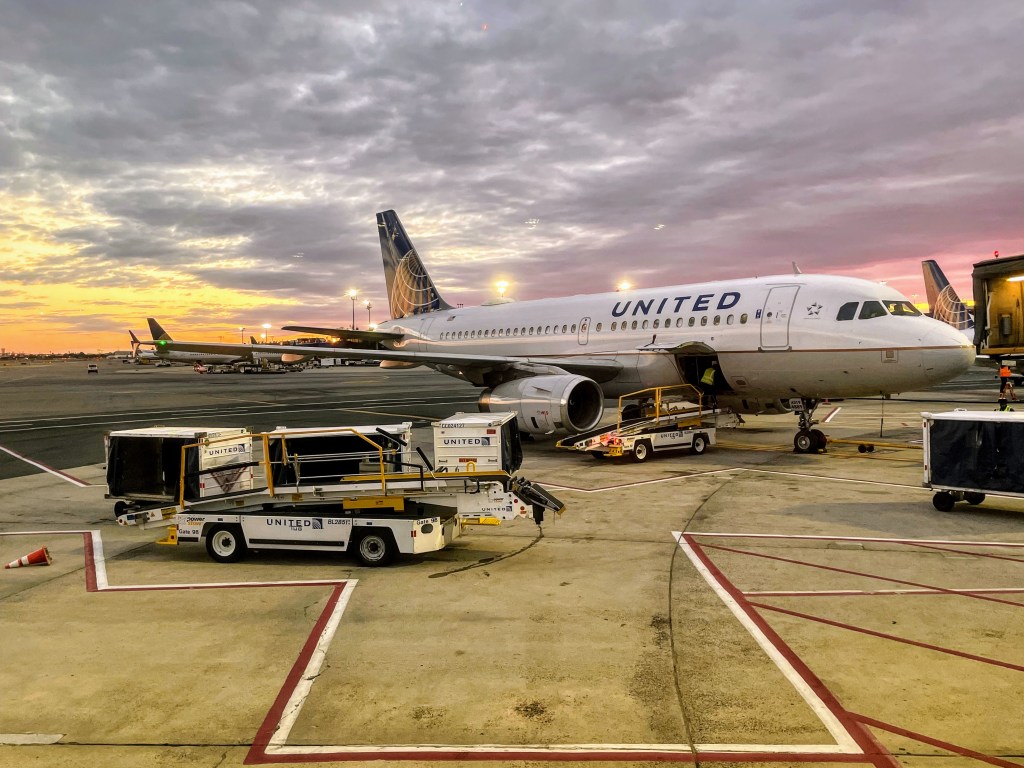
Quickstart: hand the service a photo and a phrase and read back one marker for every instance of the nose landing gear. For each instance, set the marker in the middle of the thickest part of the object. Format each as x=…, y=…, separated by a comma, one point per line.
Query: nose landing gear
x=807, y=440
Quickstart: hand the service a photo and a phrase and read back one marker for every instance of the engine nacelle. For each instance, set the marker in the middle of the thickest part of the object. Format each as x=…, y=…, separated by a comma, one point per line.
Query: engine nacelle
x=291, y=359
x=545, y=405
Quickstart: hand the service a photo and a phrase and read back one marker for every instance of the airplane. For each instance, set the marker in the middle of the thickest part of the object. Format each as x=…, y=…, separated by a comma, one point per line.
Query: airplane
x=784, y=343
x=943, y=302
x=204, y=354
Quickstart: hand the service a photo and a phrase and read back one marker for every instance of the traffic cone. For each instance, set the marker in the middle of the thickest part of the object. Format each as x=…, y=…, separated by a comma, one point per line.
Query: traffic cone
x=40, y=557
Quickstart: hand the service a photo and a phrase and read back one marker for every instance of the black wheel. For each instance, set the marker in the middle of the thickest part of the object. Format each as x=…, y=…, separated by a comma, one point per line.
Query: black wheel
x=943, y=501
x=120, y=508
x=375, y=548
x=804, y=441
x=700, y=444
x=226, y=544
x=820, y=441
x=596, y=454
x=973, y=497
x=871, y=448
x=862, y=448
x=641, y=450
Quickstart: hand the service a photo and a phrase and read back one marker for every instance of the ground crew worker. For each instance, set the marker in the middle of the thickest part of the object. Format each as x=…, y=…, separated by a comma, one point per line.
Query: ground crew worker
x=708, y=384
x=1006, y=381
x=1003, y=405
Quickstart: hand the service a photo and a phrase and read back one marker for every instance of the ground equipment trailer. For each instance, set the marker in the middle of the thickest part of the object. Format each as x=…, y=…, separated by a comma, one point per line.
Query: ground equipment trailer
x=968, y=454
x=671, y=419
x=344, y=489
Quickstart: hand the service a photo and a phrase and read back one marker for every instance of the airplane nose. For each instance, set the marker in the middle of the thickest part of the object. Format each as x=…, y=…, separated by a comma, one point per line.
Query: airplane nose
x=948, y=353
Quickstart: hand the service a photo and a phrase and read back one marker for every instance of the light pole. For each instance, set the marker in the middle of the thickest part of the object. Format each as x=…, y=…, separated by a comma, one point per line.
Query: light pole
x=266, y=331
x=352, y=295
x=368, y=306
x=502, y=286
x=241, y=330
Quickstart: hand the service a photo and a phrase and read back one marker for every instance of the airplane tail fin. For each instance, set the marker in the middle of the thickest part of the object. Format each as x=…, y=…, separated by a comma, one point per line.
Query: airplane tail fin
x=943, y=302
x=410, y=289
x=252, y=340
x=135, y=344
x=157, y=332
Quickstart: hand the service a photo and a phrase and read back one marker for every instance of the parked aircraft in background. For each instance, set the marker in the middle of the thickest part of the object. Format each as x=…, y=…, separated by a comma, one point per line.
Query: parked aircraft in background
x=201, y=353
x=784, y=342
x=943, y=302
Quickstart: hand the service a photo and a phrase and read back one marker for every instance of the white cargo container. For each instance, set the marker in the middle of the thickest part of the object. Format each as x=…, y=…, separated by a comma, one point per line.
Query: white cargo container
x=477, y=442
x=144, y=466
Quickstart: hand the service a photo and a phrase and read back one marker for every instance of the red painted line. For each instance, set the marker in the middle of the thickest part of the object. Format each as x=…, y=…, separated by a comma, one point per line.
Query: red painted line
x=257, y=752
x=955, y=749
x=90, y=564
x=889, y=579
x=866, y=740
x=973, y=554
x=895, y=638
x=887, y=592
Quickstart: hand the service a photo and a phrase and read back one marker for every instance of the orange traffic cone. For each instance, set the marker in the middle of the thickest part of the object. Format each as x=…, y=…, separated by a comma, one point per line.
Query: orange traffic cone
x=40, y=557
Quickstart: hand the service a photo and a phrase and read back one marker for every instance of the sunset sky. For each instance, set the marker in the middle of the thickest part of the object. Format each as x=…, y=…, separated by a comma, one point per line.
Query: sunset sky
x=219, y=164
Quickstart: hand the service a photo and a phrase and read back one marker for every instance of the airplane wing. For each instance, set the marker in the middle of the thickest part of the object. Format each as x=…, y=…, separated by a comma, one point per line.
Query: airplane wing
x=593, y=366
x=346, y=334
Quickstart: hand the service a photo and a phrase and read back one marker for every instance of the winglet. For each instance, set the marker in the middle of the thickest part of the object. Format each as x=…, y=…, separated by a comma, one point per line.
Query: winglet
x=410, y=289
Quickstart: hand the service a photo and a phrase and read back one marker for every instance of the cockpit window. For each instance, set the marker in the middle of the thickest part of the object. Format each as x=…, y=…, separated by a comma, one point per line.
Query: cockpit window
x=848, y=311
x=902, y=308
x=872, y=309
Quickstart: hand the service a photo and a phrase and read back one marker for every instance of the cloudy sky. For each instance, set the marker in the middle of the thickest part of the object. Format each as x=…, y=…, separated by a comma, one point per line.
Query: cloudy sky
x=219, y=164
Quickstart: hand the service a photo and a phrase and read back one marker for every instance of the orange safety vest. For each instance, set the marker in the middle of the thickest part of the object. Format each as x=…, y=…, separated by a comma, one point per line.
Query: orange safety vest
x=1004, y=372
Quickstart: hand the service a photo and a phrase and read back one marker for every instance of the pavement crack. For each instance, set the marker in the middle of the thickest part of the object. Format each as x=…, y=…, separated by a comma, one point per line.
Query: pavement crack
x=490, y=560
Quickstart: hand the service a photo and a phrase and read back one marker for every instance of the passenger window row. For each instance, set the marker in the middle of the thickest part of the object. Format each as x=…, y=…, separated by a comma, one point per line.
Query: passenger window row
x=554, y=330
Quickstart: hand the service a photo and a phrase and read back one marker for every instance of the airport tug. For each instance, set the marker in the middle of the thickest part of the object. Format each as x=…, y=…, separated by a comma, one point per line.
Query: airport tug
x=336, y=489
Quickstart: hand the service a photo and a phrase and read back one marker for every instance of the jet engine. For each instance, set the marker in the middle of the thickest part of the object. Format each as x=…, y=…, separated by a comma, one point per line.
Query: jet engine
x=545, y=405
x=288, y=359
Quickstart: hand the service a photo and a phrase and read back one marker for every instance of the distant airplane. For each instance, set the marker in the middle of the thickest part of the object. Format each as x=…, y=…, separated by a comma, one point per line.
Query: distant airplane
x=943, y=302
x=784, y=342
x=214, y=353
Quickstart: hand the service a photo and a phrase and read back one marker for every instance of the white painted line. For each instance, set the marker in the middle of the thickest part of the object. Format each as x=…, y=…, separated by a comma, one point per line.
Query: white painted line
x=844, y=740
x=21, y=739
x=99, y=561
x=51, y=470
x=301, y=692
x=871, y=539
x=543, y=749
x=642, y=482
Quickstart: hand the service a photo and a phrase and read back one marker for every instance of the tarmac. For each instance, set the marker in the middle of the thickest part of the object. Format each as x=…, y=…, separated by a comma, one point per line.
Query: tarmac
x=747, y=606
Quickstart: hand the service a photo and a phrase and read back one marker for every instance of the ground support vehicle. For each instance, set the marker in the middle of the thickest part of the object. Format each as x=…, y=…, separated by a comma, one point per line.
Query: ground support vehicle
x=969, y=454
x=349, y=489
x=671, y=418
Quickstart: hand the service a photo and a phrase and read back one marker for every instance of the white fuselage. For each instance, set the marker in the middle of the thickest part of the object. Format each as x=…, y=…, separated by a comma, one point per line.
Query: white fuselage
x=774, y=337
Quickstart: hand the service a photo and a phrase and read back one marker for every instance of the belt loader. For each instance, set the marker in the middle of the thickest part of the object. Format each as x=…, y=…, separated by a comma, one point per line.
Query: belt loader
x=668, y=419
x=348, y=489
